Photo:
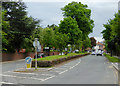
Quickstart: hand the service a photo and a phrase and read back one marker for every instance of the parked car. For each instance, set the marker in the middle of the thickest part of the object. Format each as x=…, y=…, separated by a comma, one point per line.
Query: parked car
x=76, y=51
x=93, y=53
x=99, y=52
x=39, y=55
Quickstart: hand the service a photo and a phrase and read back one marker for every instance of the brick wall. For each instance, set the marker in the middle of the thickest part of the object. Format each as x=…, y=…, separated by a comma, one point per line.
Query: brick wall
x=15, y=56
x=18, y=56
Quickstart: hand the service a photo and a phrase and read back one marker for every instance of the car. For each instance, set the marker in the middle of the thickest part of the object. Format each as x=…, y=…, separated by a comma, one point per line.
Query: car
x=93, y=53
x=76, y=51
x=99, y=53
x=39, y=55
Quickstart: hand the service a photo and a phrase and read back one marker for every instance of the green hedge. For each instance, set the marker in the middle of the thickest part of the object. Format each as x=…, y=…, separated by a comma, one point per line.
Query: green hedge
x=50, y=63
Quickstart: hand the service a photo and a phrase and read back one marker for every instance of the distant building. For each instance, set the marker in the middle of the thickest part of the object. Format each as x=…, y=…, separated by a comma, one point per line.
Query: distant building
x=99, y=45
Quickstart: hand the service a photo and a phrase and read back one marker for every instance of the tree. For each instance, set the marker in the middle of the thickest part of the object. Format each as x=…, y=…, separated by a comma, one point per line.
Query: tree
x=86, y=43
x=61, y=41
x=81, y=14
x=21, y=26
x=5, y=26
x=48, y=37
x=69, y=26
x=52, y=26
x=93, y=41
x=112, y=34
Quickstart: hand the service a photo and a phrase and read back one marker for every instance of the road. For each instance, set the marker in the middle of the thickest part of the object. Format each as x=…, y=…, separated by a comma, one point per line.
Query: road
x=86, y=70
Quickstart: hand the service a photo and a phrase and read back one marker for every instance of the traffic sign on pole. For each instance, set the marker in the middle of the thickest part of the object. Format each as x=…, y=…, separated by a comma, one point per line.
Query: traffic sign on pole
x=36, y=44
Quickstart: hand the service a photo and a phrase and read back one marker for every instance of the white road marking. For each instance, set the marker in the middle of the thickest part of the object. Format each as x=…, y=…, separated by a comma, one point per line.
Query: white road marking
x=66, y=66
x=23, y=73
x=57, y=71
x=47, y=74
x=6, y=83
x=23, y=77
x=48, y=78
x=51, y=76
x=63, y=72
x=60, y=68
x=13, y=70
x=75, y=64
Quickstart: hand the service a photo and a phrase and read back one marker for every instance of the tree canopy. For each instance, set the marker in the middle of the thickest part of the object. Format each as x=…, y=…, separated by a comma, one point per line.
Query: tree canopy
x=20, y=26
x=81, y=14
x=111, y=34
x=69, y=26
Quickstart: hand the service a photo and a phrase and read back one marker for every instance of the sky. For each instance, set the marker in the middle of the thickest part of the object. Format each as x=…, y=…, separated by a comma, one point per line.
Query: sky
x=49, y=12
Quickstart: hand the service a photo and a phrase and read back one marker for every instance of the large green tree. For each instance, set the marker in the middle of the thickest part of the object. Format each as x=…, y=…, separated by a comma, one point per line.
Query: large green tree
x=81, y=14
x=112, y=35
x=69, y=26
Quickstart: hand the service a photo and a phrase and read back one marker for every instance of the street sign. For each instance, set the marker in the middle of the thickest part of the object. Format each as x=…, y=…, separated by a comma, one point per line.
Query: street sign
x=38, y=44
x=39, y=48
x=28, y=61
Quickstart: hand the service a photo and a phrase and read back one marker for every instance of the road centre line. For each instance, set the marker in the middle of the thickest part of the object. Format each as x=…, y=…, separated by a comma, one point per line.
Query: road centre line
x=57, y=71
x=71, y=67
x=60, y=68
x=63, y=72
x=48, y=78
x=75, y=64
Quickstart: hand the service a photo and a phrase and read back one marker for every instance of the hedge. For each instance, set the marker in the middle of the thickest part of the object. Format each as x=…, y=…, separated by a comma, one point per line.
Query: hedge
x=56, y=61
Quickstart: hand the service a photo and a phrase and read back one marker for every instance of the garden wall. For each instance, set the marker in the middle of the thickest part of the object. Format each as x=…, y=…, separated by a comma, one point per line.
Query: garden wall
x=15, y=56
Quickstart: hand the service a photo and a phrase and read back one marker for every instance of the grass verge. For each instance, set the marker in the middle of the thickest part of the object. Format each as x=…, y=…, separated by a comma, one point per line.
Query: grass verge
x=54, y=57
x=112, y=59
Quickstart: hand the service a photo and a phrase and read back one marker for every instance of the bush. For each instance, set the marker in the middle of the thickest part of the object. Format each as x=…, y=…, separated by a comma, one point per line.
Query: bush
x=56, y=61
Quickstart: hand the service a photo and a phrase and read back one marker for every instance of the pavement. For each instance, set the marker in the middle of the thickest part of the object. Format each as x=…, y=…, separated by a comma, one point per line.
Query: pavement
x=86, y=70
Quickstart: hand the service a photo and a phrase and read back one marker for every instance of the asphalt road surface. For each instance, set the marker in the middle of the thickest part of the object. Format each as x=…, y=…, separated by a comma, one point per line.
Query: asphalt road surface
x=86, y=70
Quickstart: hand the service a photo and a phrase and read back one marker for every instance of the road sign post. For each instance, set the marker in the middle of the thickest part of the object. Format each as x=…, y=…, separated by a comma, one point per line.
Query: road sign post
x=36, y=39
x=28, y=61
x=36, y=44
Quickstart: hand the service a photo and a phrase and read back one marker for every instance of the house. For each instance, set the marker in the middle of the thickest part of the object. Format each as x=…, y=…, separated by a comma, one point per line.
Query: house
x=99, y=45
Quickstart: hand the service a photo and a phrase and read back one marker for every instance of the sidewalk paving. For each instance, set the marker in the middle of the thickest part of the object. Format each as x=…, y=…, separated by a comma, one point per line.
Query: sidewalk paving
x=116, y=65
